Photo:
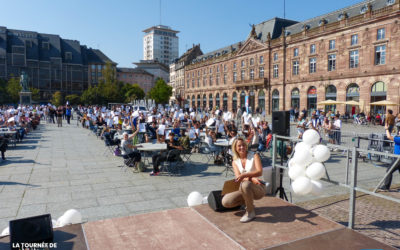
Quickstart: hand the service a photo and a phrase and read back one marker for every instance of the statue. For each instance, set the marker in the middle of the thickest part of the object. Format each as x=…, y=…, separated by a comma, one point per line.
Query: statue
x=24, y=82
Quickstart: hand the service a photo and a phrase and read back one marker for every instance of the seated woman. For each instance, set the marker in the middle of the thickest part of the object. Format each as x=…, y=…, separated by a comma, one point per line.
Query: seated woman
x=248, y=171
x=128, y=149
x=211, y=137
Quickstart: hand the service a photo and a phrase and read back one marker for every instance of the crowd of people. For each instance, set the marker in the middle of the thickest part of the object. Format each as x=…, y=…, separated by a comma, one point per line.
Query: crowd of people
x=22, y=120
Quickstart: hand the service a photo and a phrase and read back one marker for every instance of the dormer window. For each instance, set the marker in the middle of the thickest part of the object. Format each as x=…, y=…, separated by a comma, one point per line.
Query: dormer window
x=322, y=22
x=28, y=43
x=68, y=56
x=45, y=45
x=363, y=9
x=306, y=27
x=390, y=2
x=342, y=16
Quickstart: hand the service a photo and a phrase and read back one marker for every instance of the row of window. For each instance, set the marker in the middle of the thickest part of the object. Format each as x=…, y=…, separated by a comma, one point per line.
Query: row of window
x=243, y=64
x=332, y=44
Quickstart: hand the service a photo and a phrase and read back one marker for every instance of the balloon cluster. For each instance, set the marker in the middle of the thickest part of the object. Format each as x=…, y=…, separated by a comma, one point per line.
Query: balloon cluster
x=305, y=167
x=70, y=216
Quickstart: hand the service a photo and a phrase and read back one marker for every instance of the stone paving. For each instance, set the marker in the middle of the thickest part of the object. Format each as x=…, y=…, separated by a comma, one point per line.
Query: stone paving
x=55, y=169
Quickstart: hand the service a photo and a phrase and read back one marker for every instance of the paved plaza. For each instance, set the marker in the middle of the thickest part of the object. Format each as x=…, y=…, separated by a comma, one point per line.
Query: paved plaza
x=55, y=169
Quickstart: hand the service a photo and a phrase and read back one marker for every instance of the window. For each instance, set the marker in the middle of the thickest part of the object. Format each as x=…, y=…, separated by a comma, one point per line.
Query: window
x=210, y=70
x=295, y=52
x=204, y=71
x=251, y=61
x=193, y=74
x=331, y=62
x=354, y=59
x=224, y=67
x=251, y=74
x=234, y=65
x=211, y=81
x=275, y=56
x=242, y=63
x=234, y=76
x=45, y=45
x=261, y=72
x=198, y=83
x=193, y=83
x=204, y=81
x=380, y=55
x=276, y=70
x=242, y=74
x=331, y=44
x=354, y=40
x=261, y=59
x=198, y=73
x=312, y=49
x=28, y=43
x=68, y=56
x=295, y=68
x=217, y=68
x=313, y=65
x=225, y=78
x=217, y=80
x=380, y=34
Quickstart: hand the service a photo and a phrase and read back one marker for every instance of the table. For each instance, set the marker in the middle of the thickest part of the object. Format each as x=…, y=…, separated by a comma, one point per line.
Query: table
x=148, y=147
x=222, y=143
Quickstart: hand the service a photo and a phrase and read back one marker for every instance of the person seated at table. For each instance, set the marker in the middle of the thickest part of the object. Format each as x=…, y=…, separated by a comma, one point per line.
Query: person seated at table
x=161, y=134
x=264, y=132
x=3, y=146
x=248, y=172
x=151, y=132
x=165, y=156
x=219, y=127
x=184, y=140
x=128, y=149
x=126, y=124
x=194, y=136
x=119, y=133
x=211, y=137
x=176, y=129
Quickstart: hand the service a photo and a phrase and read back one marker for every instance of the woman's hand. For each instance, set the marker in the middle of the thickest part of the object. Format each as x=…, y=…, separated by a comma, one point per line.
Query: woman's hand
x=240, y=178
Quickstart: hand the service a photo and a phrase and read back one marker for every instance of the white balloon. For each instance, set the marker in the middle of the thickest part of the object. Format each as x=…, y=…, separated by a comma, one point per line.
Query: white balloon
x=302, y=157
x=315, y=171
x=5, y=232
x=205, y=200
x=302, y=185
x=54, y=222
x=321, y=153
x=70, y=216
x=194, y=199
x=296, y=171
x=291, y=163
x=301, y=146
x=317, y=187
x=311, y=137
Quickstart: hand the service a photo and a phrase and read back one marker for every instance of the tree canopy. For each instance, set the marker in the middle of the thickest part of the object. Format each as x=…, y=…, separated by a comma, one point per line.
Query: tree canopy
x=161, y=92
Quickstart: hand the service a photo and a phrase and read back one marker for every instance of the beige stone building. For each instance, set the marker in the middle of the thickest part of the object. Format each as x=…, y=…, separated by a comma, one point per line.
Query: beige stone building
x=349, y=54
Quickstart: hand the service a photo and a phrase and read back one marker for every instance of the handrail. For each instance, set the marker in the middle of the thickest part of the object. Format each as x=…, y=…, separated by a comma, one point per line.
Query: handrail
x=353, y=181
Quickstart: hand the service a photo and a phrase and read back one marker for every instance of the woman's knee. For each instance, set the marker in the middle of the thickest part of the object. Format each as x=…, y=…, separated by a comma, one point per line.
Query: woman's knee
x=245, y=186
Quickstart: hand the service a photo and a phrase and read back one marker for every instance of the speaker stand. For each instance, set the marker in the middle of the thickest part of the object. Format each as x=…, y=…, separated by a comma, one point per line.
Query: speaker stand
x=280, y=189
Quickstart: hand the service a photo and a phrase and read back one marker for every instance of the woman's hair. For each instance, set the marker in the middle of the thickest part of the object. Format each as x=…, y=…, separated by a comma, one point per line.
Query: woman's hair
x=235, y=142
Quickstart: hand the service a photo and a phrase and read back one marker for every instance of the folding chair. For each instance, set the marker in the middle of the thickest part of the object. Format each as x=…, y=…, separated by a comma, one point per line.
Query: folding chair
x=174, y=162
x=110, y=144
x=206, y=150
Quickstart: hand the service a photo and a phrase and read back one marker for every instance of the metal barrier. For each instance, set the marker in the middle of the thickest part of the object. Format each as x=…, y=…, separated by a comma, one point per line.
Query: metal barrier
x=354, y=152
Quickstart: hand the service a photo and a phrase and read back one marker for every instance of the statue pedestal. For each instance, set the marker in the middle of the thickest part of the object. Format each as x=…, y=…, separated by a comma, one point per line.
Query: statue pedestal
x=25, y=98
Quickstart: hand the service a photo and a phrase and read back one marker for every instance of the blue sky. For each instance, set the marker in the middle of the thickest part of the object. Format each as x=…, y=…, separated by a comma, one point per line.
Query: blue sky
x=116, y=26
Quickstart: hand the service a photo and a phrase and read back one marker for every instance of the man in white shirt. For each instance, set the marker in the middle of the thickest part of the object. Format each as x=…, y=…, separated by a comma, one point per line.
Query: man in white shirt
x=338, y=126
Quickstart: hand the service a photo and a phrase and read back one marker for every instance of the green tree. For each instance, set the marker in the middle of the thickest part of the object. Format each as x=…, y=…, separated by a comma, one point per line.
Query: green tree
x=13, y=89
x=91, y=96
x=57, y=98
x=35, y=94
x=133, y=92
x=73, y=99
x=161, y=92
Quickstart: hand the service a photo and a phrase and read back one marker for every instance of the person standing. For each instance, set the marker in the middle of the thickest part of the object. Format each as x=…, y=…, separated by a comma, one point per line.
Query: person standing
x=396, y=139
x=59, y=115
x=68, y=113
x=390, y=120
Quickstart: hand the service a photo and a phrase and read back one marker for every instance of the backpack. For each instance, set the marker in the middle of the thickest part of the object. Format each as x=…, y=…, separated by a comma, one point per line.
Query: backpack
x=117, y=151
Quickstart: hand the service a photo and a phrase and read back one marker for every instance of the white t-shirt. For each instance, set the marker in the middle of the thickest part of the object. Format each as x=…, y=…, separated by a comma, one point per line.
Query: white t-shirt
x=338, y=124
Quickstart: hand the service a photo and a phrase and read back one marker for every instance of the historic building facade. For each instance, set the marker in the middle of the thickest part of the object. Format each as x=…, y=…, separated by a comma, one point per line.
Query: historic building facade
x=349, y=54
x=52, y=63
x=177, y=73
x=136, y=76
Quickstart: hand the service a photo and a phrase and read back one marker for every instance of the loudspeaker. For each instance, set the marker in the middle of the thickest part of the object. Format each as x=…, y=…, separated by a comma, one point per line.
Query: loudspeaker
x=35, y=229
x=281, y=123
x=215, y=202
